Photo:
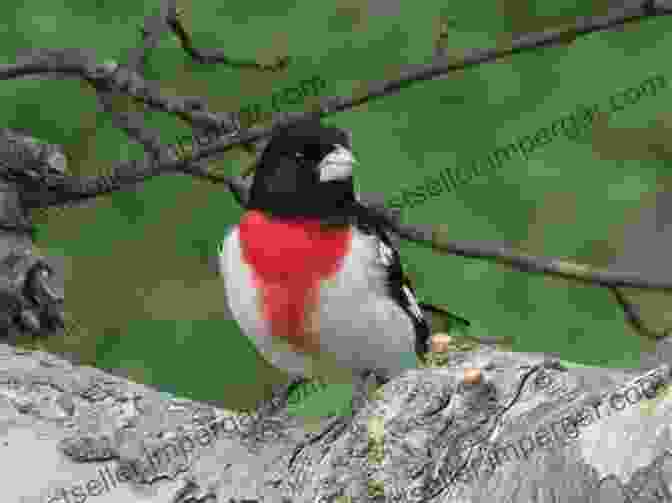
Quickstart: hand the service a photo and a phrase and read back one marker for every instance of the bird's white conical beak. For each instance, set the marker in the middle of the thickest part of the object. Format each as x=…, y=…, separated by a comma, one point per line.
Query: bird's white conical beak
x=337, y=165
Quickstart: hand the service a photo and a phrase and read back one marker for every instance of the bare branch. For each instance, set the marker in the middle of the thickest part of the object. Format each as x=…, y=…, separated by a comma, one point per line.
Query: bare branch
x=633, y=317
x=107, y=76
x=150, y=32
x=132, y=83
x=125, y=121
x=215, y=56
x=106, y=79
x=436, y=238
x=331, y=105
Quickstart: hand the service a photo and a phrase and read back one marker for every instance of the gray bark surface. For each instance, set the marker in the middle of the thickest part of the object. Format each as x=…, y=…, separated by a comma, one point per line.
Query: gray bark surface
x=63, y=425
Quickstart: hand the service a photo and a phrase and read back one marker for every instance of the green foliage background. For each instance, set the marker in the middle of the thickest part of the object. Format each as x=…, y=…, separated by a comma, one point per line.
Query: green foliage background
x=137, y=275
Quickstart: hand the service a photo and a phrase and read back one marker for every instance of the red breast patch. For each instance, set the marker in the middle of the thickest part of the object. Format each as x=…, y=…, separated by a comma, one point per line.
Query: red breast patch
x=289, y=260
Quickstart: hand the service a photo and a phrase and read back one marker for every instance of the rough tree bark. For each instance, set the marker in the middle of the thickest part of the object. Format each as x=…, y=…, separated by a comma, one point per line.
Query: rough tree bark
x=29, y=299
x=527, y=430
x=110, y=78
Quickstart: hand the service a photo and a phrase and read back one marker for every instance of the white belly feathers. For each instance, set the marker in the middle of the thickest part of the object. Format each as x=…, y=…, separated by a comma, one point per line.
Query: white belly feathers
x=360, y=327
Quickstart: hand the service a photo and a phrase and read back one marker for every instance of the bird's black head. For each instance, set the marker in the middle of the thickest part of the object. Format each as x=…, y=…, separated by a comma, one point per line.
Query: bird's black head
x=305, y=171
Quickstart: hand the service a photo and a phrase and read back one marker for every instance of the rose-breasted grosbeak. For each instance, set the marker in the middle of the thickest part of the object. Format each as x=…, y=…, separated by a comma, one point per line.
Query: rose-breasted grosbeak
x=311, y=278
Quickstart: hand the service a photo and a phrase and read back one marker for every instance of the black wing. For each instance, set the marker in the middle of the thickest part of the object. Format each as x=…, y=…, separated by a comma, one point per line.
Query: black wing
x=399, y=285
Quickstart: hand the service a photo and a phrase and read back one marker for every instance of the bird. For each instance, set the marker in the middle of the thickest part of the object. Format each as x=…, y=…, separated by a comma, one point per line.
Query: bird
x=311, y=276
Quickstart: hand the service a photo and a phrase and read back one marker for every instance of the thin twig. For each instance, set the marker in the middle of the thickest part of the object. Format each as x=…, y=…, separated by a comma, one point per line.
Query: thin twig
x=150, y=32
x=436, y=238
x=126, y=121
x=215, y=56
x=633, y=316
x=150, y=35
x=169, y=20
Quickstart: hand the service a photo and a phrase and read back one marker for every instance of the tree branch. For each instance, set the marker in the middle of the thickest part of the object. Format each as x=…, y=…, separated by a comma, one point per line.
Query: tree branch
x=215, y=56
x=131, y=123
x=633, y=317
x=331, y=105
x=150, y=35
x=169, y=20
x=436, y=238
x=133, y=84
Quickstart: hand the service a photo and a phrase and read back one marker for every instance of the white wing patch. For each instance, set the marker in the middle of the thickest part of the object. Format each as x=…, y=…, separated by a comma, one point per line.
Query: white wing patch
x=413, y=303
x=385, y=253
